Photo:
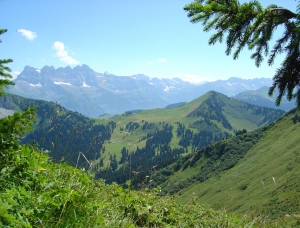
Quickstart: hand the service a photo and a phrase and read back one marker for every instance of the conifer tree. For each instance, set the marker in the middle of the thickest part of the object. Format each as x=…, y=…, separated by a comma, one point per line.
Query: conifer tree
x=11, y=127
x=252, y=26
x=4, y=71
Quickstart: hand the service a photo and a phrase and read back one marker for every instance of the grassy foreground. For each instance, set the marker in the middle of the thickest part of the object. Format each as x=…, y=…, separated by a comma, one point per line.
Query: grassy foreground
x=35, y=192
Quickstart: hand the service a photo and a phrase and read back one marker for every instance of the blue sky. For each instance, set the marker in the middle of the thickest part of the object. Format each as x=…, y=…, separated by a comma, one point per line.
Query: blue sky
x=123, y=37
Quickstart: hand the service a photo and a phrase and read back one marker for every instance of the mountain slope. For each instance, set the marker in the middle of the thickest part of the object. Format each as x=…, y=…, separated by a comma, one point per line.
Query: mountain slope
x=83, y=90
x=260, y=97
x=253, y=173
x=160, y=136
x=65, y=134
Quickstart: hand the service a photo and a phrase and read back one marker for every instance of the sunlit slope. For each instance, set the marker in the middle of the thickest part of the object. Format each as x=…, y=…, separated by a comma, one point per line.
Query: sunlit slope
x=265, y=181
x=212, y=113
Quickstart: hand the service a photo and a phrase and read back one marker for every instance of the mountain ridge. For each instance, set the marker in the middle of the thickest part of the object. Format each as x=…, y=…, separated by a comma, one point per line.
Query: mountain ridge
x=253, y=173
x=162, y=138
x=185, y=132
x=260, y=97
x=93, y=94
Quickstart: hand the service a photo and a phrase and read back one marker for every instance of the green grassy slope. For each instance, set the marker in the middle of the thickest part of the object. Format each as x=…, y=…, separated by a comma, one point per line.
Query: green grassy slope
x=264, y=181
x=212, y=107
x=209, y=118
x=35, y=192
x=47, y=194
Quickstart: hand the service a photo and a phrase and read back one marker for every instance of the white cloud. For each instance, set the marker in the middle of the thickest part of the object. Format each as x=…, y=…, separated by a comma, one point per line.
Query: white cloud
x=150, y=63
x=28, y=34
x=62, y=54
x=192, y=78
x=36, y=85
x=162, y=60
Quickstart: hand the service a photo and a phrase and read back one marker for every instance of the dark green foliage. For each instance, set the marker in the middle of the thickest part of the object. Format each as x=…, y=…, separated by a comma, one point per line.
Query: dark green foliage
x=112, y=125
x=208, y=133
x=138, y=164
x=205, y=124
x=186, y=138
x=240, y=132
x=217, y=107
x=133, y=111
x=211, y=126
x=250, y=25
x=124, y=155
x=132, y=126
x=113, y=162
x=180, y=129
x=149, y=135
x=4, y=71
x=64, y=133
x=211, y=160
x=212, y=109
x=176, y=105
x=296, y=119
x=205, y=137
x=13, y=127
x=148, y=125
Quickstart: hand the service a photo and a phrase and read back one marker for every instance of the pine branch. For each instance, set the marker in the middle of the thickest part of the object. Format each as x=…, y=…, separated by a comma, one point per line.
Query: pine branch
x=284, y=12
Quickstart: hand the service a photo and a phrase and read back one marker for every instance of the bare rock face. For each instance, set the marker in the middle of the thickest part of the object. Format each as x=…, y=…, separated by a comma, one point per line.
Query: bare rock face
x=83, y=90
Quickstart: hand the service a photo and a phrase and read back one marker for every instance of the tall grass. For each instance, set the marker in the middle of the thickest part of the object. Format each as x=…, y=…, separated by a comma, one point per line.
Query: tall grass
x=47, y=194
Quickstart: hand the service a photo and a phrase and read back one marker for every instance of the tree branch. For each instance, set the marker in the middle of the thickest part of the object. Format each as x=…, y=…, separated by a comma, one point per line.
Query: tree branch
x=285, y=12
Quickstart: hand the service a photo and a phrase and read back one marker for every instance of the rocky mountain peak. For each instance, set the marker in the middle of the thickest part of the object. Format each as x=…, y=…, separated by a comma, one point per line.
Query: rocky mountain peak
x=30, y=74
x=47, y=70
x=77, y=87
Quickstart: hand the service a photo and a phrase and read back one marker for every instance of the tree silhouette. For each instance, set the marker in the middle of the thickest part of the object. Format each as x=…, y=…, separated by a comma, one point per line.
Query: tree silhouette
x=4, y=71
x=252, y=26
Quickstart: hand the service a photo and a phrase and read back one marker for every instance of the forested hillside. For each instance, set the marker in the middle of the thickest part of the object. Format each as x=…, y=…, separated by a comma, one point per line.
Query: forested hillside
x=254, y=173
x=65, y=134
x=150, y=140
x=140, y=141
x=35, y=191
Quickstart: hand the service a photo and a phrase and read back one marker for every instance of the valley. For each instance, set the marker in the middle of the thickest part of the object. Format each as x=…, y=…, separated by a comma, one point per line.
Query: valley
x=205, y=150
x=179, y=135
x=213, y=150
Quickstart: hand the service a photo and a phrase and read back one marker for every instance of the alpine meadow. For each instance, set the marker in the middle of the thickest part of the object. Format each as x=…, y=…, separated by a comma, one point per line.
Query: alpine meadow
x=80, y=148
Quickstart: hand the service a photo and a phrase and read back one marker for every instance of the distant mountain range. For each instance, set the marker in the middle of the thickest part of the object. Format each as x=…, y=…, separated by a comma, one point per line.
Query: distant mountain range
x=260, y=97
x=90, y=93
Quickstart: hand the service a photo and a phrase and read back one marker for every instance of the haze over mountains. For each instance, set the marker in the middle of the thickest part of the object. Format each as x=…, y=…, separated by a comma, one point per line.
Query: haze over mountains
x=260, y=97
x=91, y=93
